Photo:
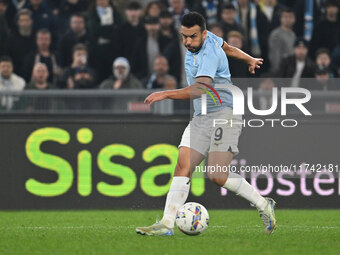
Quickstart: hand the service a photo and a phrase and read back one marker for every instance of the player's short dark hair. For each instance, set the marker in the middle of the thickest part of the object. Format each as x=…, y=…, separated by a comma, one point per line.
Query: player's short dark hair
x=228, y=6
x=6, y=58
x=194, y=18
x=134, y=6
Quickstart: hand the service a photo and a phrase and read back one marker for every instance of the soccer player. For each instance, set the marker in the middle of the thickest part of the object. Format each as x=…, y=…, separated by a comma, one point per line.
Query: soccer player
x=206, y=65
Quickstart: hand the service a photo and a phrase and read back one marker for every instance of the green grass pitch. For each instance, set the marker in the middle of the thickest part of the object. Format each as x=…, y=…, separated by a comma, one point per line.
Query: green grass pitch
x=113, y=232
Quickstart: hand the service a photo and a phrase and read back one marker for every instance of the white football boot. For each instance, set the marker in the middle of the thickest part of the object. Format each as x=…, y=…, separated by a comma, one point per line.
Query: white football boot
x=268, y=216
x=157, y=229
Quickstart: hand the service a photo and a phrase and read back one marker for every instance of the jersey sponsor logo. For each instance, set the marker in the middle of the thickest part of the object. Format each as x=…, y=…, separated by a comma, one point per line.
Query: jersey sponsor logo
x=208, y=92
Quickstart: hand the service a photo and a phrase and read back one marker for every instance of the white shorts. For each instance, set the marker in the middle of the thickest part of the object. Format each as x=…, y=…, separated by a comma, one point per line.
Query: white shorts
x=216, y=131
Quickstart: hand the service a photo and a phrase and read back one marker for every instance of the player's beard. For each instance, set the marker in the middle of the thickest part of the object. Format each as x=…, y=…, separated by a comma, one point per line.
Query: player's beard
x=196, y=49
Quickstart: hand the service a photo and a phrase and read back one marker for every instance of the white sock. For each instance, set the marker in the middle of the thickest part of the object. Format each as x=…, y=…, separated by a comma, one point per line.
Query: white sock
x=237, y=184
x=176, y=197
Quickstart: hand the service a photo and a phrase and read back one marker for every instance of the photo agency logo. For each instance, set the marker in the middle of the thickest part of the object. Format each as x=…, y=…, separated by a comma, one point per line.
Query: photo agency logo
x=289, y=96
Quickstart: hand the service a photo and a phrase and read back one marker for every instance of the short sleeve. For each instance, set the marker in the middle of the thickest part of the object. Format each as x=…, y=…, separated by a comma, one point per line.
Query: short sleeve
x=208, y=66
x=218, y=39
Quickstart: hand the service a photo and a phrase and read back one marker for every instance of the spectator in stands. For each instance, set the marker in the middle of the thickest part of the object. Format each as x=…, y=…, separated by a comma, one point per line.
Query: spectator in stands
x=43, y=18
x=81, y=78
x=9, y=81
x=326, y=33
x=42, y=54
x=228, y=22
x=298, y=65
x=79, y=75
x=66, y=9
x=130, y=32
x=272, y=10
x=303, y=25
x=209, y=9
x=256, y=28
x=167, y=32
x=76, y=34
x=102, y=21
x=322, y=79
x=149, y=48
x=21, y=41
x=122, y=78
x=160, y=79
x=39, y=79
x=12, y=9
x=281, y=40
x=322, y=82
x=153, y=9
x=177, y=9
x=3, y=34
x=323, y=58
x=216, y=29
x=238, y=69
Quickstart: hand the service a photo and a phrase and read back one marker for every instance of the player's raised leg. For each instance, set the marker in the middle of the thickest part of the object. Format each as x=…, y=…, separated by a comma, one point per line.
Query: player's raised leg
x=178, y=193
x=237, y=184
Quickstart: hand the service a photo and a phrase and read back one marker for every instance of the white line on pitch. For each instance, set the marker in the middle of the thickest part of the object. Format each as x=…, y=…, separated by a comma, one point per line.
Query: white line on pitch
x=131, y=227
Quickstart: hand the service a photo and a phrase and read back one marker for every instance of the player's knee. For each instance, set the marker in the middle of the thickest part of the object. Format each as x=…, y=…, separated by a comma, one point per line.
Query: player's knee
x=217, y=179
x=182, y=170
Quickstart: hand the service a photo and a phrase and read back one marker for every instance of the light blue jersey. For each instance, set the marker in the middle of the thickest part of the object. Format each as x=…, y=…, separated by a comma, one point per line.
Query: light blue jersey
x=210, y=61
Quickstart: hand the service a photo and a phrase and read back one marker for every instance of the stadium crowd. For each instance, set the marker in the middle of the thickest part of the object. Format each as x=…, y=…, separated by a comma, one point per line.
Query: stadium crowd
x=120, y=44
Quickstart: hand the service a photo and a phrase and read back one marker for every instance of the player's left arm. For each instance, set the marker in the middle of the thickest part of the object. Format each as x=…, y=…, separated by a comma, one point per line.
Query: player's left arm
x=190, y=92
x=233, y=52
x=204, y=76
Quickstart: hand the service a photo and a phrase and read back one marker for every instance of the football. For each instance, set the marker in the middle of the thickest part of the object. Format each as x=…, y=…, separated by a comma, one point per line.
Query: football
x=192, y=218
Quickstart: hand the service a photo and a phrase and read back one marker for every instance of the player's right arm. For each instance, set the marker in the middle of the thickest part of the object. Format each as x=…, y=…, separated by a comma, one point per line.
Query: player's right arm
x=233, y=52
x=190, y=92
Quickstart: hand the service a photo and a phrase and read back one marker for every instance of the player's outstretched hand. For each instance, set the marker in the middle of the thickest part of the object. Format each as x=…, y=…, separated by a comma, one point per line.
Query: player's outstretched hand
x=155, y=97
x=254, y=63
